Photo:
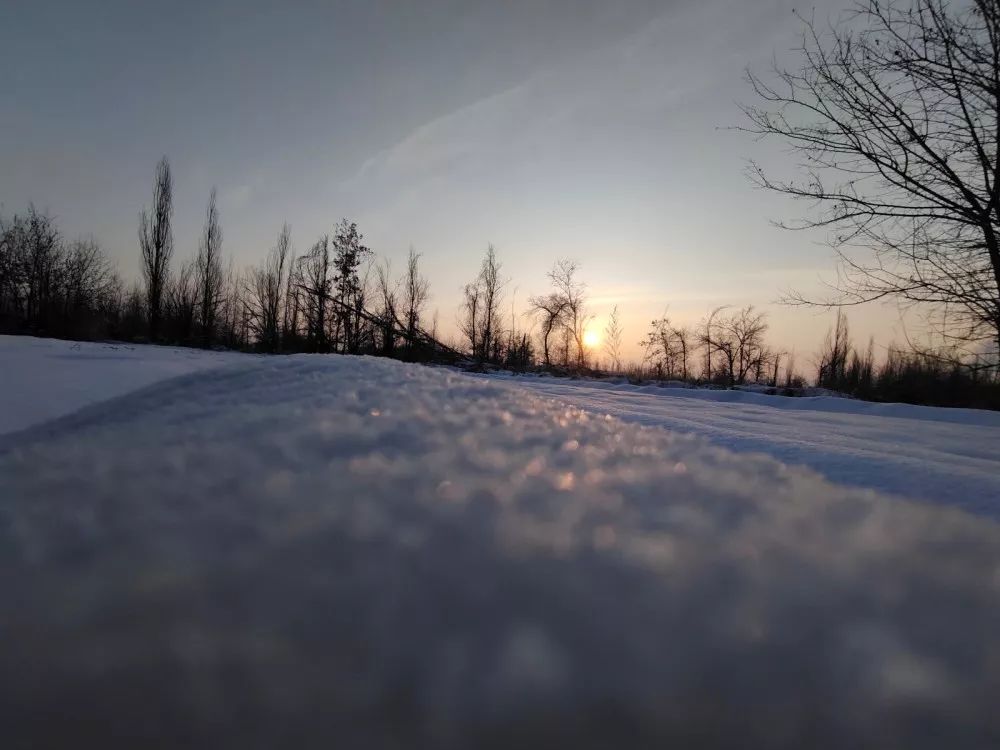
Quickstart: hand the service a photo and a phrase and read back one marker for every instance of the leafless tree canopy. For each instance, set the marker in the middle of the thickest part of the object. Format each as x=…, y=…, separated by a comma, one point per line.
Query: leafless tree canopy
x=669, y=348
x=737, y=343
x=841, y=367
x=349, y=257
x=613, y=340
x=567, y=285
x=315, y=279
x=895, y=115
x=387, y=299
x=549, y=309
x=416, y=291
x=400, y=304
x=182, y=301
x=482, y=302
x=156, y=243
x=705, y=337
x=49, y=286
x=267, y=286
x=210, y=273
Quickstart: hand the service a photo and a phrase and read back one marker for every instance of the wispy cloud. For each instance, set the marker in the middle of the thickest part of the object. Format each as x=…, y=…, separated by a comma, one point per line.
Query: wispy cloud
x=623, y=80
x=446, y=140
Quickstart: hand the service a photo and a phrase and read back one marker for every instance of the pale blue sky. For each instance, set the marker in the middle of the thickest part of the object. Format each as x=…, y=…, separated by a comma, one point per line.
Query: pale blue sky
x=549, y=128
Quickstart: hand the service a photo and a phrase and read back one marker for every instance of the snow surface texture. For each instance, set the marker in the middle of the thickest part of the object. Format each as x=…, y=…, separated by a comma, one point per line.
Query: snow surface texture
x=949, y=456
x=41, y=379
x=333, y=551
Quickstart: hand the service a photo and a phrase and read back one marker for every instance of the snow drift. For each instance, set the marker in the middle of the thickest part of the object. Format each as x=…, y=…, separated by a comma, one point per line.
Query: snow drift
x=319, y=551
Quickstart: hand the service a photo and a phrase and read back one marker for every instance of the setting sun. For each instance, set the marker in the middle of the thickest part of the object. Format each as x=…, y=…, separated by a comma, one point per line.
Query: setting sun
x=591, y=338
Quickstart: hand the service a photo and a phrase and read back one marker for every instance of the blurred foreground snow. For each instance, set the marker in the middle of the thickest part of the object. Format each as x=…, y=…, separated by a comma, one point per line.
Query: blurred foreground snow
x=320, y=551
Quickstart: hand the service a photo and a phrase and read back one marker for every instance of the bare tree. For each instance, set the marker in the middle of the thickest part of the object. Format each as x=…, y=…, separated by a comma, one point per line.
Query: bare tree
x=492, y=285
x=290, y=314
x=739, y=340
x=835, y=353
x=747, y=329
x=613, y=340
x=349, y=254
x=659, y=348
x=239, y=313
x=182, y=302
x=776, y=366
x=156, y=243
x=668, y=348
x=842, y=367
x=790, y=370
x=134, y=309
x=388, y=299
x=705, y=338
x=416, y=291
x=37, y=261
x=743, y=342
x=48, y=286
x=87, y=275
x=565, y=342
x=210, y=272
x=469, y=323
x=573, y=293
x=549, y=309
x=316, y=281
x=265, y=293
x=519, y=352
x=895, y=113
x=481, y=305
x=683, y=340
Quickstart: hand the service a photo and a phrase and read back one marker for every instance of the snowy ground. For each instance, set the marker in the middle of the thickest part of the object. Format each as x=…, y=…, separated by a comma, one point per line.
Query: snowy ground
x=320, y=551
x=949, y=456
x=41, y=379
x=944, y=456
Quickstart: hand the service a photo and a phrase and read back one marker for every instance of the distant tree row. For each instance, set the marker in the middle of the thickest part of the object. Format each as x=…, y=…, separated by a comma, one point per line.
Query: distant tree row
x=318, y=302
x=52, y=286
x=910, y=375
x=338, y=297
x=732, y=348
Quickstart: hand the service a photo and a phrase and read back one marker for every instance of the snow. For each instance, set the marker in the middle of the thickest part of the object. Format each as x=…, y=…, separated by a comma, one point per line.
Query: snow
x=319, y=551
x=949, y=456
x=41, y=379
x=945, y=456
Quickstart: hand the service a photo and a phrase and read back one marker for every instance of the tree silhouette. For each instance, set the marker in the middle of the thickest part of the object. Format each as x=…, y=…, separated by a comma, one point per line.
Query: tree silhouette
x=895, y=115
x=156, y=244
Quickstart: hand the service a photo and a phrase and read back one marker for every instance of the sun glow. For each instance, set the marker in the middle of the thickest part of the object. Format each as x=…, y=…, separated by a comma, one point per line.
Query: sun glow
x=591, y=338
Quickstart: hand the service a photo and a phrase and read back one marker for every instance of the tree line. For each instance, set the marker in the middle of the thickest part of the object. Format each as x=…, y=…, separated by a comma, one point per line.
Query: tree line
x=335, y=297
x=328, y=299
x=338, y=297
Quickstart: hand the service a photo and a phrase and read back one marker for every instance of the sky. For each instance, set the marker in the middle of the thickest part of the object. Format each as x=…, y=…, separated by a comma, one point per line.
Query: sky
x=550, y=128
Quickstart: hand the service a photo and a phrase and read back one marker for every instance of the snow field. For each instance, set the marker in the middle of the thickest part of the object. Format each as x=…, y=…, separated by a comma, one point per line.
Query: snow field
x=942, y=456
x=317, y=550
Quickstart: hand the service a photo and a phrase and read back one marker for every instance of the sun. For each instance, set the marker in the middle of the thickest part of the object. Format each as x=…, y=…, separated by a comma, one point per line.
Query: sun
x=591, y=338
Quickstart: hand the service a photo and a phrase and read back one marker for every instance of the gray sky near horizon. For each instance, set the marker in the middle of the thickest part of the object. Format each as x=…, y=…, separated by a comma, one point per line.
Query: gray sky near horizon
x=585, y=129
